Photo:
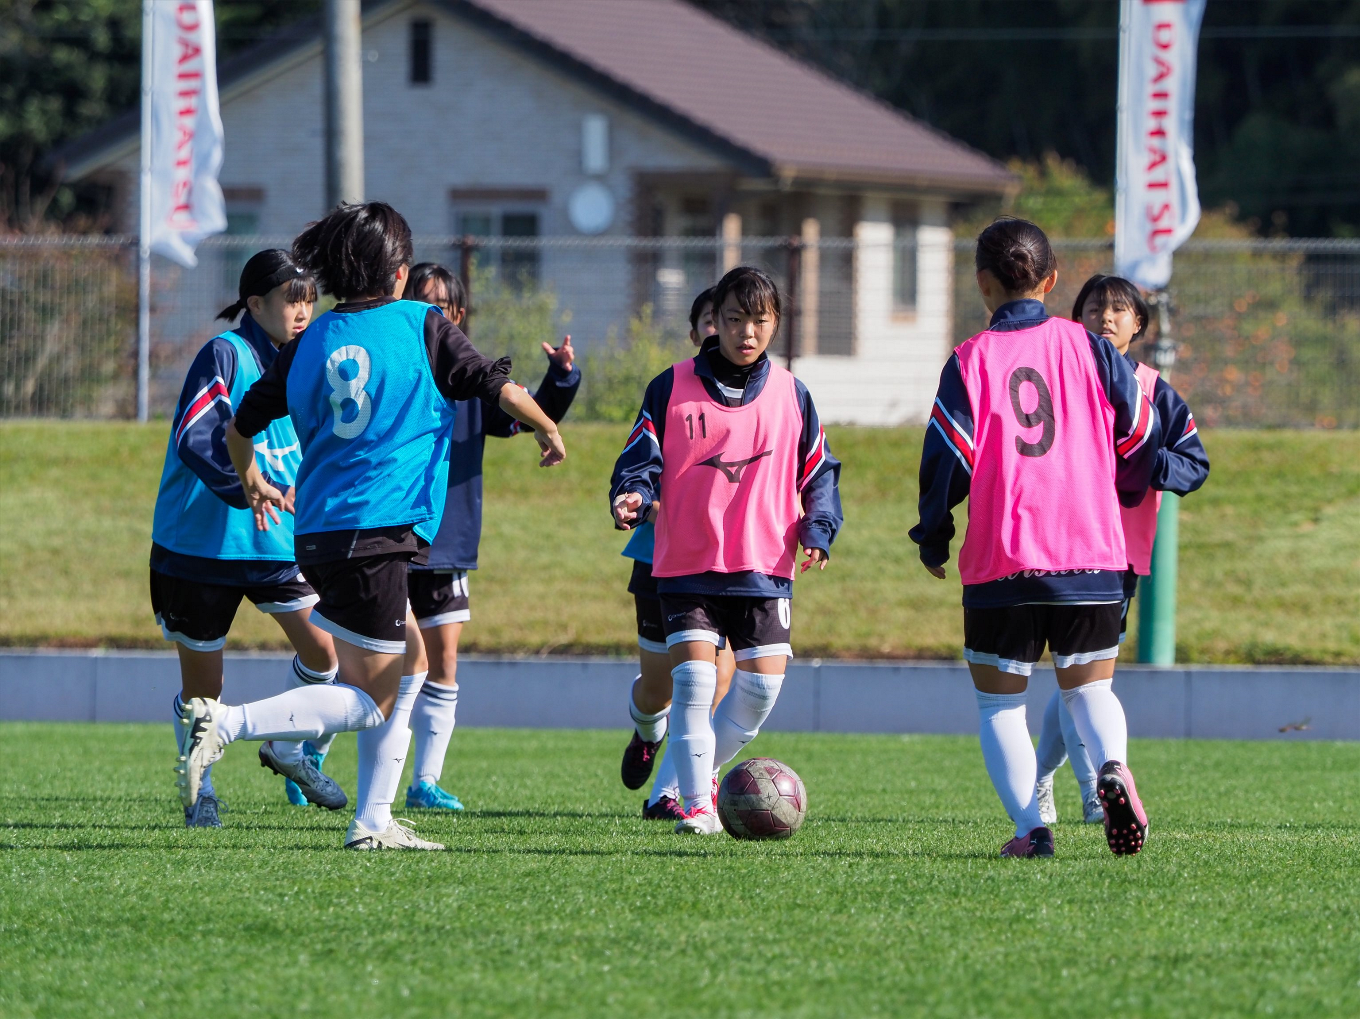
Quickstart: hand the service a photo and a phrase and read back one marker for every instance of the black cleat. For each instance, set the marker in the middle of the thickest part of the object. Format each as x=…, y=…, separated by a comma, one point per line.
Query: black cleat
x=1036, y=843
x=638, y=761
x=664, y=809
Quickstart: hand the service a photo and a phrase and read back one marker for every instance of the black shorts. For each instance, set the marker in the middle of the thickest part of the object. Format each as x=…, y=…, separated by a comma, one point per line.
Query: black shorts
x=651, y=631
x=363, y=601
x=1013, y=638
x=757, y=627
x=438, y=597
x=1130, y=589
x=199, y=615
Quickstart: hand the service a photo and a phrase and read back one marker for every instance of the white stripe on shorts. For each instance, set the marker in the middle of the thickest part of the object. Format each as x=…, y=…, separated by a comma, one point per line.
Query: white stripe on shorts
x=764, y=651
x=656, y=647
x=685, y=636
x=1086, y=657
x=444, y=618
x=297, y=604
x=189, y=642
x=386, y=647
x=1004, y=664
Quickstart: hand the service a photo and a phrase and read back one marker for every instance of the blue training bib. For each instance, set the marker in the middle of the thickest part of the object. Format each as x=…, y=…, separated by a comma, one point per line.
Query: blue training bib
x=642, y=544
x=373, y=426
x=191, y=520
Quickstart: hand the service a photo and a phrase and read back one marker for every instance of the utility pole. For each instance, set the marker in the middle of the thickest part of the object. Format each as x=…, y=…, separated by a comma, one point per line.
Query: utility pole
x=1157, y=592
x=144, y=226
x=344, y=103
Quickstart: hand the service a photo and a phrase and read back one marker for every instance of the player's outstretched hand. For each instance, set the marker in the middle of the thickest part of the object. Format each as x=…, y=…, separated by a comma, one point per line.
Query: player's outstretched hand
x=814, y=555
x=626, y=508
x=554, y=452
x=564, y=356
x=290, y=500
x=265, y=500
x=936, y=571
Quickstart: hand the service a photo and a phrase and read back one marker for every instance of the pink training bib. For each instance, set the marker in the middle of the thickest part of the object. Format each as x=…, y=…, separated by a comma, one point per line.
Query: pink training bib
x=1140, y=523
x=1042, y=495
x=729, y=487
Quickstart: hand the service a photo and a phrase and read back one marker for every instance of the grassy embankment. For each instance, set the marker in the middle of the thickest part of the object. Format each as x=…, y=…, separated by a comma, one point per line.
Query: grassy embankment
x=1270, y=551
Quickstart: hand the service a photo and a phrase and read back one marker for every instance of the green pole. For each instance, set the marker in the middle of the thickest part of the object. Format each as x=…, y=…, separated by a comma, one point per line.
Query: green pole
x=1157, y=593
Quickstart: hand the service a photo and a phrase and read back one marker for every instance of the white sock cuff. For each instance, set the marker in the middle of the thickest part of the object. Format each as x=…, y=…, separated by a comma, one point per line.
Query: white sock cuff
x=439, y=692
x=310, y=676
x=641, y=717
x=364, y=713
x=1076, y=692
x=758, y=689
x=406, y=693
x=992, y=702
x=694, y=683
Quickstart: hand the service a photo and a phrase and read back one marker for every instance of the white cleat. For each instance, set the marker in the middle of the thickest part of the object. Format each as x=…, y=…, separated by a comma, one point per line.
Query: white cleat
x=202, y=746
x=1092, y=810
x=703, y=820
x=396, y=836
x=1048, y=810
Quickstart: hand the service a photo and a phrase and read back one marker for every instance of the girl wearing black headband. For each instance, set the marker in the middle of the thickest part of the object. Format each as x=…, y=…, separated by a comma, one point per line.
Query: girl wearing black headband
x=206, y=553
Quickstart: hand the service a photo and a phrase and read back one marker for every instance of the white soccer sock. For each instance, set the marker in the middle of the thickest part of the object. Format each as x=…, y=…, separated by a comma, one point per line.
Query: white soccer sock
x=650, y=727
x=432, y=721
x=1099, y=718
x=742, y=712
x=382, y=755
x=300, y=676
x=180, y=729
x=1052, y=749
x=1009, y=756
x=692, y=741
x=666, y=782
x=307, y=713
x=1082, y=767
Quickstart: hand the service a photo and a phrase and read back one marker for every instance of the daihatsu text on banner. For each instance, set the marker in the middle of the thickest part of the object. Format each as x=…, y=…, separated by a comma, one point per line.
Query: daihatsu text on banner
x=186, y=129
x=1157, y=200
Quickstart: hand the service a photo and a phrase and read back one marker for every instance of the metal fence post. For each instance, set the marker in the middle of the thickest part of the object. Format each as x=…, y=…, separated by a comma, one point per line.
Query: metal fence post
x=467, y=247
x=795, y=248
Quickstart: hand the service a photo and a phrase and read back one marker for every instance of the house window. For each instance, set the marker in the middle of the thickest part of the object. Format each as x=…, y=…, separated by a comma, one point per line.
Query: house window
x=516, y=264
x=904, y=263
x=244, y=208
x=422, y=55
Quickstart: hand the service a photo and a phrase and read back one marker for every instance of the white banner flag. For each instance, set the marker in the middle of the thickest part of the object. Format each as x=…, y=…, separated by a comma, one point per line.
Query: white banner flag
x=186, y=129
x=1156, y=197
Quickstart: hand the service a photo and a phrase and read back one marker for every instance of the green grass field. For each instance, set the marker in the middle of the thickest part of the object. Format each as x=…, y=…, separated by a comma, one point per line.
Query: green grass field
x=1270, y=552
x=555, y=898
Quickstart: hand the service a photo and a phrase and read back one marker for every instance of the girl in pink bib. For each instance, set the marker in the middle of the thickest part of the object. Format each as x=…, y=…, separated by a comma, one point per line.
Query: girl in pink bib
x=731, y=446
x=1113, y=309
x=1043, y=428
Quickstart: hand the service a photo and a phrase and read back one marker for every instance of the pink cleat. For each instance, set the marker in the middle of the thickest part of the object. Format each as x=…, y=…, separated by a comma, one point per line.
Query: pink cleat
x=1036, y=843
x=666, y=808
x=1126, y=823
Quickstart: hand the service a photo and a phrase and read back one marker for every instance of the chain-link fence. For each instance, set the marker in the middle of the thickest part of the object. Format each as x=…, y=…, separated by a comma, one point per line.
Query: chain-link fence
x=1268, y=332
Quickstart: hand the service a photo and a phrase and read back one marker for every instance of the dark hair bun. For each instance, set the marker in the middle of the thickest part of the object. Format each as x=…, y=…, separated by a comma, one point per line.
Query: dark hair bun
x=1017, y=253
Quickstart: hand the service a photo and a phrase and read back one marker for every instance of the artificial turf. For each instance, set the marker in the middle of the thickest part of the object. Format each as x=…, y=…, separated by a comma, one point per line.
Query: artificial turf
x=555, y=898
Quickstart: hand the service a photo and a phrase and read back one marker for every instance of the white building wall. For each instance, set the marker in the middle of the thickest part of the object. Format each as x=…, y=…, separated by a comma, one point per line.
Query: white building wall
x=891, y=379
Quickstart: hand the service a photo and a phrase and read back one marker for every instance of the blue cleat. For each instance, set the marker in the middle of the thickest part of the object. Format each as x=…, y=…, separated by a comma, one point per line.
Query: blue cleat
x=428, y=796
x=204, y=812
x=291, y=788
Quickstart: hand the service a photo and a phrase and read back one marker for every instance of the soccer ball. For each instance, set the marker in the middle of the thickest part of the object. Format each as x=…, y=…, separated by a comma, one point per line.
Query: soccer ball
x=762, y=799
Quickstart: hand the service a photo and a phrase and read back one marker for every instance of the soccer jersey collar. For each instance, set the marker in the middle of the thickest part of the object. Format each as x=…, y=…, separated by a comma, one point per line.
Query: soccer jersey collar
x=259, y=341
x=1025, y=314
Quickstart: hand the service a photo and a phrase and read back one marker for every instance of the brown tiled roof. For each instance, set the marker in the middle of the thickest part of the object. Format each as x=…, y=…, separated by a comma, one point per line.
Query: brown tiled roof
x=796, y=120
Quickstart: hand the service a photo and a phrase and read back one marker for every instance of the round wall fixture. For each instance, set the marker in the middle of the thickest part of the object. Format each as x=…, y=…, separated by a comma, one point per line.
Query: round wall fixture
x=591, y=208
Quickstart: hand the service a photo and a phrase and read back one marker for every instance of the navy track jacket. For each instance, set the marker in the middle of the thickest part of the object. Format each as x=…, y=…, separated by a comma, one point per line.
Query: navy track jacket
x=638, y=469
x=945, y=474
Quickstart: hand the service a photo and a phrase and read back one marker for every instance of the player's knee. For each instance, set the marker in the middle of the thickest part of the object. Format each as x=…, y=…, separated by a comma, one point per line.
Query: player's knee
x=693, y=683
x=758, y=691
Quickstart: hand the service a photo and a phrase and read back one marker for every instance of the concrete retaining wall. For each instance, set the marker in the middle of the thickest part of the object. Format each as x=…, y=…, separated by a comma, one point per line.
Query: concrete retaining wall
x=1207, y=702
